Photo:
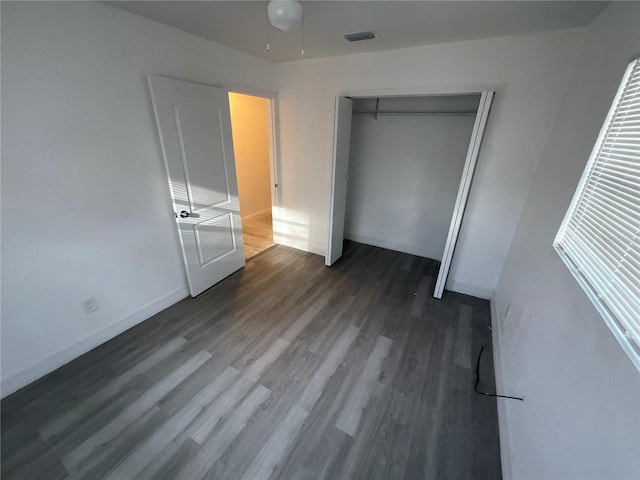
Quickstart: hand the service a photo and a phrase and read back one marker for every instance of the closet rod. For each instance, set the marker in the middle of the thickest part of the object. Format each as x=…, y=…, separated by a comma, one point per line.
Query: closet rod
x=375, y=114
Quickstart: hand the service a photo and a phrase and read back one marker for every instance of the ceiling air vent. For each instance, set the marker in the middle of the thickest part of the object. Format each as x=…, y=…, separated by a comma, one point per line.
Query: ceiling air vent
x=359, y=36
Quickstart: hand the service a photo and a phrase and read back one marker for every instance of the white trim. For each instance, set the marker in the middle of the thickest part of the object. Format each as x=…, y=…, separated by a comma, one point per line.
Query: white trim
x=258, y=215
x=315, y=249
x=334, y=157
x=274, y=151
x=418, y=91
x=254, y=92
x=302, y=246
x=433, y=254
x=463, y=192
x=51, y=362
x=470, y=289
x=336, y=111
x=503, y=418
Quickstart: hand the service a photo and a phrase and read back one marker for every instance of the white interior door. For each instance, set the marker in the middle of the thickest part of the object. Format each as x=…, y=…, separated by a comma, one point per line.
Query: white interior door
x=463, y=190
x=340, y=170
x=195, y=132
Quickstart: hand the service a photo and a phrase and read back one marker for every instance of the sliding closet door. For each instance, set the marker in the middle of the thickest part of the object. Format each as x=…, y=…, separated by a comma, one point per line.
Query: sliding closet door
x=463, y=191
x=337, y=211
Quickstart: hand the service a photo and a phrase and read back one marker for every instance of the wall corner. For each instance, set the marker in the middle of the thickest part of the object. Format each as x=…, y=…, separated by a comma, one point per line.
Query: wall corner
x=503, y=418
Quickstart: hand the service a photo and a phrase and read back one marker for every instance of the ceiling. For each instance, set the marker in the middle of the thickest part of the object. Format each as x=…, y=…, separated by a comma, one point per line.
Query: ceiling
x=242, y=24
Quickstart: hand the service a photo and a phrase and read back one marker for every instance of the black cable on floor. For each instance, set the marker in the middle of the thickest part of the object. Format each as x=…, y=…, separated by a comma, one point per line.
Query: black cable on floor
x=475, y=386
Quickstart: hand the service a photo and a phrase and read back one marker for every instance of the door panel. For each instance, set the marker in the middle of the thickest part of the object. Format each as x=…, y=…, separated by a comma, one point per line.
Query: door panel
x=200, y=135
x=341, y=145
x=195, y=132
x=214, y=238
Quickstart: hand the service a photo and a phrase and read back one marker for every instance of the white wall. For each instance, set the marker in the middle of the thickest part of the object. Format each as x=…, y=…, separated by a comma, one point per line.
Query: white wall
x=85, y=206
x=404, y=174
x=581, y=415
x=529, y=73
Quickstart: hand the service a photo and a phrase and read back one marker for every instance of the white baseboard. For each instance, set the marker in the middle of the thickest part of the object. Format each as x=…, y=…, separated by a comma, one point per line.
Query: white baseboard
x=299, y=244
x=25, y=376
x=317, y=249
x=503, y=420
x=398, y=247
x=257, y=216
x=469, y=289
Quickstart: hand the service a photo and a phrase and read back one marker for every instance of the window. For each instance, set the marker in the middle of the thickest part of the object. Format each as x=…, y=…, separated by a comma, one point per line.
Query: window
x=599, y=239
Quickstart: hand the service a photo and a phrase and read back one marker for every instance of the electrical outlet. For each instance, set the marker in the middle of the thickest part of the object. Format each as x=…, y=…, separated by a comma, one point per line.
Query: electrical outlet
x=89, y=305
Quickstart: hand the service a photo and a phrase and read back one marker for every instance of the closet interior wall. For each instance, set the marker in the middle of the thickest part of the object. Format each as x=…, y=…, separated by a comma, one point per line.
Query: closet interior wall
x=406, y=160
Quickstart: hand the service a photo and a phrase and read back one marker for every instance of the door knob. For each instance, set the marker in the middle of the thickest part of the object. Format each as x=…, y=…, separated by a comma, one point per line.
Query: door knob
x=184, y=214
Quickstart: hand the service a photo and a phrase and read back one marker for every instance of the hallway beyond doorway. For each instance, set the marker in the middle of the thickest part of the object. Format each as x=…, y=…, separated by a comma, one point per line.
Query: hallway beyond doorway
x=250, y=122
x=257, y=234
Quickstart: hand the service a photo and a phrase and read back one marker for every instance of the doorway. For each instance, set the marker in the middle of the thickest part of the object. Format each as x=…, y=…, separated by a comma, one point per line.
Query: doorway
x=251, y=128
x=195, y=131
x=402, y=170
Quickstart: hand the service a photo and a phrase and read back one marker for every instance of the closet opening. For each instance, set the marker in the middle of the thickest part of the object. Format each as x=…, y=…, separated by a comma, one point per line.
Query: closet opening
x=402, y=169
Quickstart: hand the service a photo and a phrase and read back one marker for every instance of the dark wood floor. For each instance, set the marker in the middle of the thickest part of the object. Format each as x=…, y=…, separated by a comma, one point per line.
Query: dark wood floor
x=287, y=369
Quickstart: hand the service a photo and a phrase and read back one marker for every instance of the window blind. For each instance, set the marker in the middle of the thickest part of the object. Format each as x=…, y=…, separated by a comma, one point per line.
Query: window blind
x=599, y=238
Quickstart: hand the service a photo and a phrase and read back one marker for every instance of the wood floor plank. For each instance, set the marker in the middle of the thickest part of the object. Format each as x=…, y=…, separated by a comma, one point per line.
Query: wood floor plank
x=320, y=443
x=38, y=457
x=333, y=358
x=168, y=464
x=53, y=399
x=484, y=414
x=133, y=411
x=215, y=446
x=245, y=447
x=349, y=419
x=336, y=318
x=356, y=461
x=456, y=459
x=303, y=320
x=212, y=415
x=105, y=458
x=462, y=354
x=384, y=419
x=421, y=296
x=172, y=428
x=427, y=413
x=98, y=398
x=274, y=449
x=286, y=369
x=290, y=374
